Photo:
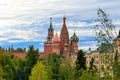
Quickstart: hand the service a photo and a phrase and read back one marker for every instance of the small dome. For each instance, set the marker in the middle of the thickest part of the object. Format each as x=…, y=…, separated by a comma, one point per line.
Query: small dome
x=56, y=38
x=74, y=38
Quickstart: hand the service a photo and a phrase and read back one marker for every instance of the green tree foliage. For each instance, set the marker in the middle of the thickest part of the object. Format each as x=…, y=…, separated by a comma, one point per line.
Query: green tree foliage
x=16, y=69
x=104, y=31
x=81, y=60
x=19, y=50
x=116, y=68
x=80, y=63
x=39, y=72
x=53, y=66
x=88, y=75
x=10, y=65
x=66, y=70
x=30, y=60
x=1, y=73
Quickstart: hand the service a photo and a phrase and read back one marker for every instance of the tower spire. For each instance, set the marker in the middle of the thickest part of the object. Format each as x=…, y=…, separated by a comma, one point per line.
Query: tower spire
x=51, y=28
x=64, y=19
x=50, y=31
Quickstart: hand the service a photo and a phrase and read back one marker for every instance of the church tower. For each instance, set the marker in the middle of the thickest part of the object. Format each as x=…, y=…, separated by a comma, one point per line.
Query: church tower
x=74, y=43
x=48, y=43
x=64, y=35
x=56, y=44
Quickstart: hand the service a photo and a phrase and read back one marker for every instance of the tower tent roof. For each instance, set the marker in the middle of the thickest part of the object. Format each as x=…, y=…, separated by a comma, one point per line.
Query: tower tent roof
x=74, y=38
x=64, y=23
x=51, y=27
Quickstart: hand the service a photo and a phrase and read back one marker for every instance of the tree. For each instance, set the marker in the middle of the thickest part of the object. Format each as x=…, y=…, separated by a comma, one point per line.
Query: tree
x=19, y=50
x=89, y=75
x=80, y=63
x=15, y=68
x=53, y=66
x=92, y=63
x=10, y=65
x=104, y=31
x=1, y=73
x=116, y=67
x=66, y=70
x=30, y=60
x=39, y=72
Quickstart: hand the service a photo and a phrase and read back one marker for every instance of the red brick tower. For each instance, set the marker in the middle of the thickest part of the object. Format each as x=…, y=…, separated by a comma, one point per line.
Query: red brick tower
x=56, y=44
x=74, y=43
x=48, y=43
x=64, y=35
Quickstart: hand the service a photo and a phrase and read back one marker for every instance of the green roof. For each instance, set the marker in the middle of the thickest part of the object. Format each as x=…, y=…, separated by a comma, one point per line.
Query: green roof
x=51, y=27
x=74, y=38
x=65, y=45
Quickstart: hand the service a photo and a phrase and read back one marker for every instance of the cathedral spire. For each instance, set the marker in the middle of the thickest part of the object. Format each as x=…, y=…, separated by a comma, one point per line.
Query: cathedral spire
x=64, y=19
x=64, y=35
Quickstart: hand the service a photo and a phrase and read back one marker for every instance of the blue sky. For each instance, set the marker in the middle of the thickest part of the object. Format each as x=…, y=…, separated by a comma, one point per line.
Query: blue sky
x=25, y=22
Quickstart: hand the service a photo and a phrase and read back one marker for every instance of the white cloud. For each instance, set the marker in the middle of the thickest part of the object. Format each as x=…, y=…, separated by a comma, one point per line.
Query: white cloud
x=14, y=14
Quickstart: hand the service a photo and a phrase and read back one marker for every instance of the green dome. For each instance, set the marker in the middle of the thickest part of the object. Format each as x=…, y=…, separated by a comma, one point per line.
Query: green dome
x=74, y=38
x=65, y=45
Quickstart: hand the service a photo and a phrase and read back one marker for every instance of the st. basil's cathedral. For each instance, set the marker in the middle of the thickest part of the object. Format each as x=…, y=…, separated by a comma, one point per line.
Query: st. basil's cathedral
x=61, y=45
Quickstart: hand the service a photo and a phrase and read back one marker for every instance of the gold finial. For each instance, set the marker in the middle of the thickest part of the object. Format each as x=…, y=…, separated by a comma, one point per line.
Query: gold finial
x=64, y=16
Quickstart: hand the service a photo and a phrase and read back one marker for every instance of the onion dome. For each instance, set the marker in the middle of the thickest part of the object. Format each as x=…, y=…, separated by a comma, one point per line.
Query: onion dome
x=118, y=34
x=51, y=27
x=74, y=38
x=56, y=38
